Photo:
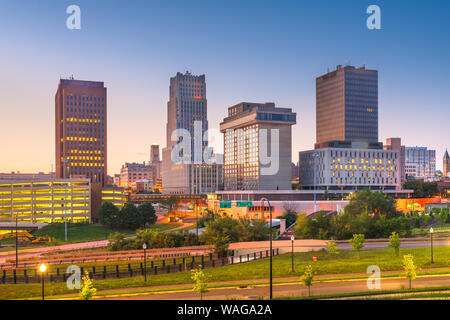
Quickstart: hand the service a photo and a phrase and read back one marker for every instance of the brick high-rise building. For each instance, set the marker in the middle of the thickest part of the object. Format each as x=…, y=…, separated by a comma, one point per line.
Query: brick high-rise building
x=347, y=108
x=80, y=137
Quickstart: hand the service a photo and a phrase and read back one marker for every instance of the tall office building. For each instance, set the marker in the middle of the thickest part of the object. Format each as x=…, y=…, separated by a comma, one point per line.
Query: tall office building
x=347, y=153
x=423, y=160
x=446, y=164
x=347, y=108
x=243, y=144
x=80, y=122
x=187, y=110
x=396, y=144
x=156, y=165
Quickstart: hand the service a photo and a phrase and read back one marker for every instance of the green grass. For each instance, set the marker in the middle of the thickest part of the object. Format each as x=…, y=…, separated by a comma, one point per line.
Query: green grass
x=77, y=232
x=82, y=232
x=343, y=263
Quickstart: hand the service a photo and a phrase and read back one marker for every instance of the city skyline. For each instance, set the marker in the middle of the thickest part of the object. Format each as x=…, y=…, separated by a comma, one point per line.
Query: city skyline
x=412, y=80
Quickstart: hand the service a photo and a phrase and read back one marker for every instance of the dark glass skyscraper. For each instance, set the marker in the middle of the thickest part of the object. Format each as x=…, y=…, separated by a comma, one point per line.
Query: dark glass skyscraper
x=347, y=107
x=80, y=116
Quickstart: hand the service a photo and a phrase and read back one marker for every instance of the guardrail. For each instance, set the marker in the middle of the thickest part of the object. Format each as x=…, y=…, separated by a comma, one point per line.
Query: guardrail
x=57, y=274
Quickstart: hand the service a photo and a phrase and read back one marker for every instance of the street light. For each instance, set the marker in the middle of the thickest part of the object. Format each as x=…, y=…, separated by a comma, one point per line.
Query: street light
x=17, y=245
x=144, y=246
x=431, y=238
x=270, y=240
x=292, y=239
x=42, y=268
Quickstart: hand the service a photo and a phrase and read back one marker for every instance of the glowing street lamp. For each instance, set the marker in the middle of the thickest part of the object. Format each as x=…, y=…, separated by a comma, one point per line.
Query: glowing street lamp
x=431, y=239
x=144, y=246
x=42, y=268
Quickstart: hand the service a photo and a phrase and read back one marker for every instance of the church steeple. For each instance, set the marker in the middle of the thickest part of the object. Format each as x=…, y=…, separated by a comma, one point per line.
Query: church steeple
x=446, y=164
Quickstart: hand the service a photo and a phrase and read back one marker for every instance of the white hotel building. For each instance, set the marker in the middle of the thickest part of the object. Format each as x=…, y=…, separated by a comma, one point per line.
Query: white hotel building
x=349, y=169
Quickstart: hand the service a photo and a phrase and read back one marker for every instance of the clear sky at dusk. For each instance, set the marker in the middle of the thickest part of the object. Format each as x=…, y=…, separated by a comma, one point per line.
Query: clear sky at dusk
x=254, y=51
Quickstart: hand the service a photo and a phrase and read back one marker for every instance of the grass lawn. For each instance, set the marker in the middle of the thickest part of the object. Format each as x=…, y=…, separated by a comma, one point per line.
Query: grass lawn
x=77, y=232
x=81, y=232
x=345, y=262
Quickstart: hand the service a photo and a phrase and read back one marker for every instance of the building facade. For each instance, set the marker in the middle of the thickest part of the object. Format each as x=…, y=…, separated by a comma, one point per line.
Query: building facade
x=187, y=113
x=132, y=172
x=342, y=168
x=248, y=133
x=114, y=195
x=396, y=144
x=347, y=106
x=446, y=164
x=80, y=123
x=45, y=201
x=423, y=159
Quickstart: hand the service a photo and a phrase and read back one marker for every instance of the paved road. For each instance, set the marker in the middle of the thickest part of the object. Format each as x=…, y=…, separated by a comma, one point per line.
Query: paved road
x=242, y=247
x=289, y=290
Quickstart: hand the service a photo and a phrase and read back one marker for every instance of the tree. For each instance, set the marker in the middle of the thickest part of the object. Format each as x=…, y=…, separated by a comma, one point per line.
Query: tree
x=108, y=215
x=394, y=242
x=87, y=287
x=371, y=203
x=409, y=267
x=148, y=213
x=201, y=281
x=171, y=204
x=358, y=243
x=332, y=247
x=130, y=218
x=307, y=278
x=421, y=189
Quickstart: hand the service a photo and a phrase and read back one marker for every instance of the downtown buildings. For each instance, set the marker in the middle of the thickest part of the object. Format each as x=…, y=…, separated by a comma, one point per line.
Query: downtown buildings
x=446, y=164
x=187, y=164
x=81, y=130
x=347, y=153
x=420, y=162
x=257, y=147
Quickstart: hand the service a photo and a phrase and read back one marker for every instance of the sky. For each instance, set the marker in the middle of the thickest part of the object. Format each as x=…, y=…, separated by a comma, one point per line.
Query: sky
x=249, y=50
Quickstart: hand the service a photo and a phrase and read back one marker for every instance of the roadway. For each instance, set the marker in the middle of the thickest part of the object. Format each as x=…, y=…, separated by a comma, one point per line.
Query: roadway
x=287, y=290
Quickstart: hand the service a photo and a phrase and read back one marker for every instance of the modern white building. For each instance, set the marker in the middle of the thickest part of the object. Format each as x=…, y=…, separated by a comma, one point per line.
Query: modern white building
x=348, y=168
x=257, y=147
x=424, y=161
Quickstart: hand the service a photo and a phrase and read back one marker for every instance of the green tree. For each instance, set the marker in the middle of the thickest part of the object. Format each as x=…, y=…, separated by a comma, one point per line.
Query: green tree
x=108, y=215
x=409, y=267
x=332, y=247
x=307, y=278
x=148, y=213
x=201, y=281
x=130, y=218
x=394, y=242
x=371, y=203
x=358, y=243
x=171, y=204
x=87, y=287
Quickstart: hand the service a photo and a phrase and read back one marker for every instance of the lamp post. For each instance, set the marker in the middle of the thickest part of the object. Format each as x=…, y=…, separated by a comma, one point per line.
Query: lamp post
x=144, y=246
x=17, y=246
x=431, y=239
x=270, y=240
x=292, y=239
x=42, y=268
x=64, y=160
x=196, y=216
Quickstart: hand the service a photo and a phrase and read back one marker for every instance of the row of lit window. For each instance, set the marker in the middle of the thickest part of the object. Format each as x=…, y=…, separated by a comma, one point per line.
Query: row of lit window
x=74, y=164
x=80, y=139
x=355, y=167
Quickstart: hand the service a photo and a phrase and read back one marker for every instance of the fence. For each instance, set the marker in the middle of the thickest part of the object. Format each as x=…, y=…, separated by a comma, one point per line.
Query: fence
x=129, y=269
